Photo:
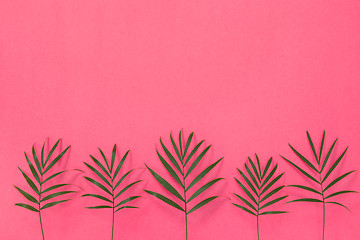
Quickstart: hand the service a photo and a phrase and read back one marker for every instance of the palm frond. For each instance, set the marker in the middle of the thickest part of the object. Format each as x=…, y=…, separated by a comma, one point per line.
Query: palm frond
x=258, y=187
x=180, y=167
x=108, y=180
x=39, y=180
x=320, y=177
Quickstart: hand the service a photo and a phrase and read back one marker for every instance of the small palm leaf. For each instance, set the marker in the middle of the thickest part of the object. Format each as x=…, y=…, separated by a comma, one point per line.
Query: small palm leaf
x=108, y=181
x=40, y=182
x=180, y=162
x=320, y=177
x=257, y=188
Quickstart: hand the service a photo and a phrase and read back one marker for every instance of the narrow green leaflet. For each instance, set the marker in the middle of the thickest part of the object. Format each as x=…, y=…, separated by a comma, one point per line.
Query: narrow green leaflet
x=202, y=203
x=27, y=206
x=165, y=199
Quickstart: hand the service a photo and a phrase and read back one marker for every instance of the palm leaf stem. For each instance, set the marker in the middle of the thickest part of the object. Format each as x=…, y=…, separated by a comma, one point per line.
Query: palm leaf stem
x=323, y=202
x=42, y=229
x=257, y=214
x=113, y=209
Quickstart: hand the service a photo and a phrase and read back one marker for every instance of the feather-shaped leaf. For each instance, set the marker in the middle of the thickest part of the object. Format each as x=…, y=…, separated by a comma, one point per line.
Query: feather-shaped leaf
x=98, y=174
x=105, y=159
x=171, y=157
x=36, y=160
x=252, y=176
x=202, y=203
x=122, y=178
x=193, y=152
x=202, y=174
x=244, y=208
x=121, y=163
x=56, y=159
x=302, y=171
x=337, y=180
x=54, y=203
x=271, y=193
x=123, y=207
x=269, y=176
x=248, y=182
x=272, y=212
x=42, y=156
x=99, y=207
x=175, y=147
x=55, y=195
x=54, y=175
x=336, y=203
x=188, y=144
x=126, y=188
x=321, y=147
x=334, y=165
x=271, y=184
x=246, y=202
x=27, y=196
x=196, y=161
x=165, y=199
x=165, y=184
x=254, y=169
x=306, y=200
x=312, y=147
x=31, y=208
x=100, y=166
x=328, y=155
x=97, y=196
x=246, y=191
x=30, y=182
x=113, y=155
x=127, y=200
x=304, y=159
x=51, y=152
x=272, y=202
x=306, y=188
x=203, y=188
x=32, y=169
x=54, y=187
x=267, y=167
x=96, y=183
x=339, y=193
x=170, y=170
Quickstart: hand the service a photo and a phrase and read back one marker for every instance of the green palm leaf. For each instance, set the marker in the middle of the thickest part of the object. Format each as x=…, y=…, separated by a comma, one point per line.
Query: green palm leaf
x=109, y=183
x=260, y=184
x=321, y=164
x=185, y=165
x=41, y=177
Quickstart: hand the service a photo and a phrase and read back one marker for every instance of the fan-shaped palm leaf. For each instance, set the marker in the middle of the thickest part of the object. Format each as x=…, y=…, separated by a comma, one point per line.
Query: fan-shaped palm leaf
x=108, y=181
x=256, y=185
x=39, y=178
x=180, y=168
x=320, y=176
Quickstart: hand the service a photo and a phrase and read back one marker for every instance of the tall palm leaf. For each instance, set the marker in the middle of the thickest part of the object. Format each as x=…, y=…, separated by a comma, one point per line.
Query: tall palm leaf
x=182, y=166
x=111, y=184
x=258, y=190
x=320, y=176
x=41, y=181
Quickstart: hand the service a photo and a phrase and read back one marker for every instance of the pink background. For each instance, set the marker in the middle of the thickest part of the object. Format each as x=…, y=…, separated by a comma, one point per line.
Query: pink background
x=247, y=76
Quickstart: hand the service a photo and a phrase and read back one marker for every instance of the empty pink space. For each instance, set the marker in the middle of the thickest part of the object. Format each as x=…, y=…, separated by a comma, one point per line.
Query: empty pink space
x=247, y=76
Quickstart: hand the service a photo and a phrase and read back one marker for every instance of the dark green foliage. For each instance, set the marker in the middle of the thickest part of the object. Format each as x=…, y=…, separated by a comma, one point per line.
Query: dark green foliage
x=320, y=175
x=109, y=182
x=180, y=168
x=40, y=177
x=256, y=185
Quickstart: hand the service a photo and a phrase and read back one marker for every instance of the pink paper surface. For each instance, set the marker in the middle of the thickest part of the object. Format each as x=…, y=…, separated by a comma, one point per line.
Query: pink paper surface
x=247, y=76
